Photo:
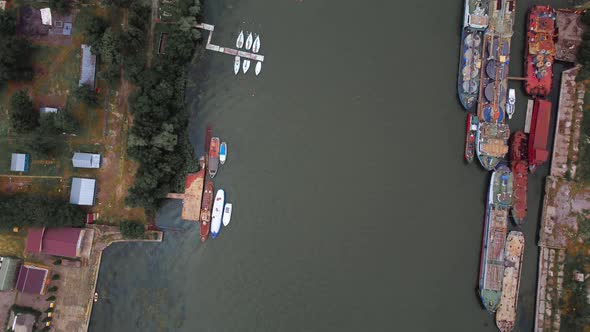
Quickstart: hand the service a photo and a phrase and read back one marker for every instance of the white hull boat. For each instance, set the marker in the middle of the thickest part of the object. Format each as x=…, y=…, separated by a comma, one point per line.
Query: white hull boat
x=227, y=214
x=258, y=68
x=246, y=65
x=240, y=41
x=249, y=41
x=256, y=45
x=223, y=152
x=217, y=213
x=237, y=65
x=510, y=103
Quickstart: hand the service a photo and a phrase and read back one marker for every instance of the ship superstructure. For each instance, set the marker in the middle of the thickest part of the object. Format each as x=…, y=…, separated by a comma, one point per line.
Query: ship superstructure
x=540, y=50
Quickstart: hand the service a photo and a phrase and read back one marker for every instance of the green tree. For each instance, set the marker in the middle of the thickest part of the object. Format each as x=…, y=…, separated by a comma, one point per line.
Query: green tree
x=23, y=117
x=52, y=289
x=55, y=277
x=85, y=94
x=65, y=121
x=51, y=298
x=60, y=6
x=132, y=229
x=93, y=27
x=7, y=23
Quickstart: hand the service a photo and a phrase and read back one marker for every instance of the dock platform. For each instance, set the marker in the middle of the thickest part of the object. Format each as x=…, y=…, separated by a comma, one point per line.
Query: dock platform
x=226, y=50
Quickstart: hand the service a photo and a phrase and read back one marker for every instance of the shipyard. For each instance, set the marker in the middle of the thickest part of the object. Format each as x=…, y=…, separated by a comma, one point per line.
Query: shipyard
x=551, y=35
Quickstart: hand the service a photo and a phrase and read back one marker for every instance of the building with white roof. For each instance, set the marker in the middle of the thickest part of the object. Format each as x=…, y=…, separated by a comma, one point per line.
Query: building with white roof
x=82, y=192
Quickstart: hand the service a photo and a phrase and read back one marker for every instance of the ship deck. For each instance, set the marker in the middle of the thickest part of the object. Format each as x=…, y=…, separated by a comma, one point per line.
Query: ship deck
x=494, y=271
x=511, y=280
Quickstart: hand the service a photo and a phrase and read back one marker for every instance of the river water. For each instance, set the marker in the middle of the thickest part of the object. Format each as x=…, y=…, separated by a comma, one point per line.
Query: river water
x=353, y=208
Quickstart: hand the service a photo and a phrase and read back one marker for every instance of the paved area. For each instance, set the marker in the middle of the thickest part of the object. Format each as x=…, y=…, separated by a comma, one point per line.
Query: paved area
x=6, y=300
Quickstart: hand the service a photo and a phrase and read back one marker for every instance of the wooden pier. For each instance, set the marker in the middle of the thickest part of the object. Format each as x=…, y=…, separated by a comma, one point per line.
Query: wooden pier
x=514, y=78
x=226, y=50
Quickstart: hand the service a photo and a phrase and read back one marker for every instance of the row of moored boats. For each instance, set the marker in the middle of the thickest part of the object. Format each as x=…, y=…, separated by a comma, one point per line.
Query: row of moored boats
x=216, y=212
x=483, y=91
x=249, y=43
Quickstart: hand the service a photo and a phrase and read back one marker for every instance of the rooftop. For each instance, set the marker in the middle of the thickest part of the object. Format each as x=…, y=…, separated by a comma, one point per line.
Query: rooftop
x=82, y=191
x=32, y=279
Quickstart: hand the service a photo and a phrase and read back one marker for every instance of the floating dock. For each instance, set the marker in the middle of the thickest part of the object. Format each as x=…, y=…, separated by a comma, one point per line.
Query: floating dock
x=529, y=115
x=191, y=199
x=226, y=50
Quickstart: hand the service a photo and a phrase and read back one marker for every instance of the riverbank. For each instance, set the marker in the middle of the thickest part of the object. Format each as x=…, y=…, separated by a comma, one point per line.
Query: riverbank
x=565, y=201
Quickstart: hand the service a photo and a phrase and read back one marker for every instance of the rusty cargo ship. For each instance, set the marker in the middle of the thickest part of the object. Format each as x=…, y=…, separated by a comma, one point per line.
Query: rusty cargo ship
x=519, y=165
x=506, y=314
x=492, y=143
x=540, y=50
x=491, y=268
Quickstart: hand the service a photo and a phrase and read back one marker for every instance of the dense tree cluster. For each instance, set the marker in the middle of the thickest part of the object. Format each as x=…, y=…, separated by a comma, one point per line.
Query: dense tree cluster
x=158, y=139
x=60, y=6
x=15, y=52
x=574, y=305
x=584, y=74
x=23, y=116
x=132, y=229
x=38, y=210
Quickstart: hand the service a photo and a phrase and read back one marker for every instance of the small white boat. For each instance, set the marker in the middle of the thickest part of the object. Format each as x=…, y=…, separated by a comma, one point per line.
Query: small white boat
x=217, y=213
x=256, y=45
x=510, y=103
x=246, y=65
x=258, y=68
x=237, y=65
x=240, y=41
x=223, y=152
x=249, y=41
x=227, y=214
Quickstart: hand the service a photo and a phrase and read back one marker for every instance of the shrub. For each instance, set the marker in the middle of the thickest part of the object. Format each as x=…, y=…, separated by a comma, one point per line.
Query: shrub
x=132, y=229
x=51, y=298
x=52, y=289
x=55, y=277
x=57, y=261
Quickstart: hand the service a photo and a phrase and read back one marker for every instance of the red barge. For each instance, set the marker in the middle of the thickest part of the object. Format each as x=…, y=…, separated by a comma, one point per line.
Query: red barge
x=540, y=121
x=206, y=205
x=540, y=50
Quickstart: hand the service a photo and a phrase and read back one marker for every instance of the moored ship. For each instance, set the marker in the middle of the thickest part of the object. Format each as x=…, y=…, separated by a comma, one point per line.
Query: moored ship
x=469, y=67
x=217, y=213
x=470, y=135
x=519, y=204
x=540, y=121
x=502, y=183
x=540, y=50
x=514, y=250
x=491, y=269
x=476, y=14
x=491, y=143
x=206, y=206
x=213, y=162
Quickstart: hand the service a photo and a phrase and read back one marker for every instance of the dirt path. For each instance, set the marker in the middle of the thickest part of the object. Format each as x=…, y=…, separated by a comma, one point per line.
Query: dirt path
x=152, y=28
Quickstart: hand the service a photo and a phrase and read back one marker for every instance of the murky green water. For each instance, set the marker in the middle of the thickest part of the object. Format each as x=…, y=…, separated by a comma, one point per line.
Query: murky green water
x=353, y=209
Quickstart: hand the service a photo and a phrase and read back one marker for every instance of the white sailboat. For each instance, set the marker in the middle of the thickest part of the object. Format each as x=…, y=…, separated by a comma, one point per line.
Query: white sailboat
x=246, y=65
x=227, y=214
x=258, y=68
x=240, y=41
x=249, y=41
x=256, y=45
x=237, y=65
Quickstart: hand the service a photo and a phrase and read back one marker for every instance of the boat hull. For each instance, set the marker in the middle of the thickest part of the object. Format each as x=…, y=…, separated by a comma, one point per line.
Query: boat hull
x=217, y=213
x=470, y=137
x=223, y=153
x=206, y=206
x=540, y=50
x=213, y=162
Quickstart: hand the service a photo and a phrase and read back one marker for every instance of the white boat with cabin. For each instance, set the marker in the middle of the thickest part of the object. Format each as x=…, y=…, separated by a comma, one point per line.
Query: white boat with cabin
x=258, y=68
x=510, y=103
x=217, y=213
x=227, y=214
x=236, y=65
x=256, y=45
x=223, y=152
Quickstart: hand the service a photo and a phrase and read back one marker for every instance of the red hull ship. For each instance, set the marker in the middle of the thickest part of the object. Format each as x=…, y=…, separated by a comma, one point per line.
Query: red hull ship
x=206, y=205
x=537, y=151
x=519, y=194
x=540, y=50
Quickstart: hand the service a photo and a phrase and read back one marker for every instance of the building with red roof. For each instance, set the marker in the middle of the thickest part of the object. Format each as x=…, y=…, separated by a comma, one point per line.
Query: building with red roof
x=32, y=279
x=65, y=241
